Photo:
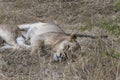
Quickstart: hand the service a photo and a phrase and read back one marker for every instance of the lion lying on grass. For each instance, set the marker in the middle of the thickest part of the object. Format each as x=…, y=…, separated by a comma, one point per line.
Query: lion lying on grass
x=47, y=34
x=39, y=35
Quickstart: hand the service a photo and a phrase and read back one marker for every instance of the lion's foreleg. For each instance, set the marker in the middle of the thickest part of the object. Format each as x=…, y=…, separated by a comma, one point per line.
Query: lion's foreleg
x=20, y=40
x=37, y=47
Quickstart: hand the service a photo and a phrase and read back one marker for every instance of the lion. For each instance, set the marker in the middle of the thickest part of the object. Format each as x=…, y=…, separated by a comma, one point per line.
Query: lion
x=11, y=35
x=42, y=34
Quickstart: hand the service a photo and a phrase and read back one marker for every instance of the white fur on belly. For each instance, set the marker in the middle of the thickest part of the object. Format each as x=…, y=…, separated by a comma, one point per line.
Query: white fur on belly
x=39, y=28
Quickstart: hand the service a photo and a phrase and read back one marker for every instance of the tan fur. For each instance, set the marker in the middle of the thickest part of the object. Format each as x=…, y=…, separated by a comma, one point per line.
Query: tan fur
x=72, y=37
x=9, y=33
x=42, y=35
x=50, y=39
x=53, y=40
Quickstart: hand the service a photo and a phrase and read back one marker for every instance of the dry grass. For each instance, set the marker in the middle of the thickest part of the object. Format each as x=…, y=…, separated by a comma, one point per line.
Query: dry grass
x=98, y=59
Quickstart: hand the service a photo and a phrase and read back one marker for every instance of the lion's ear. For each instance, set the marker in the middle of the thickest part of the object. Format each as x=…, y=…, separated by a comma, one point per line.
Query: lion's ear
x=72, y=37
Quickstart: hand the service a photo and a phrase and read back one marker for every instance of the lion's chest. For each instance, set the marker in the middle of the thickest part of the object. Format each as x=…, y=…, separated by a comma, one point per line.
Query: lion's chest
x=50, y=41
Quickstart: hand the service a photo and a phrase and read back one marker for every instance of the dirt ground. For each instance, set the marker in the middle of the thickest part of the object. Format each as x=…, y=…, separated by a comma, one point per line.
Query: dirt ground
x=99, y=57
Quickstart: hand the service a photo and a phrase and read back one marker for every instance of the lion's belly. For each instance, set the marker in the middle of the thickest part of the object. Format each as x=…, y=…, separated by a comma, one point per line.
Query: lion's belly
x=41, y=28
x=47, y=28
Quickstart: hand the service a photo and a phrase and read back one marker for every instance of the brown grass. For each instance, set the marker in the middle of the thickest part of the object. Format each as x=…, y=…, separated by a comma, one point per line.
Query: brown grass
x=98, y=59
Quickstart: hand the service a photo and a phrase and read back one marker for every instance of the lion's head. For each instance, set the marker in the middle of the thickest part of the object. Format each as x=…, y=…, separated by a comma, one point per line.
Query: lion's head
x=64, y=47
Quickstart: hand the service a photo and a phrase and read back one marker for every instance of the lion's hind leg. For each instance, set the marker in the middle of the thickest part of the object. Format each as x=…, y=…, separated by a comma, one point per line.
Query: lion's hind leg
x=6, y=47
